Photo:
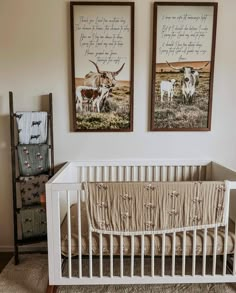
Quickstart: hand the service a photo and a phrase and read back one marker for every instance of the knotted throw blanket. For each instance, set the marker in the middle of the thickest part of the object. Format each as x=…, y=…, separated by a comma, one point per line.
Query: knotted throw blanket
x=145, y=206
x=33, y=159
x=32, y=127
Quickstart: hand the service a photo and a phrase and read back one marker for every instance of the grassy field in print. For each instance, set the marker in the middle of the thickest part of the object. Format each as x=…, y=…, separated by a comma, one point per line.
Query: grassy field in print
x=115, y=113
x=176, y=114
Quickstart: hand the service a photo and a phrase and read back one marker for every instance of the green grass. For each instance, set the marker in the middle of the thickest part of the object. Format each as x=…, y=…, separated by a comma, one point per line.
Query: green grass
x=101, y=121
x=114, y=115
x=176, y=114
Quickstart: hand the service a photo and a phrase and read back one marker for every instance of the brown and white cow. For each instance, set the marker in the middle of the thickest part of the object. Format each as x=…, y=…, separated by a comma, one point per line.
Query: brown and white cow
x=92, y=95
x=99, y=101
x=101, y=78
x=189, y=82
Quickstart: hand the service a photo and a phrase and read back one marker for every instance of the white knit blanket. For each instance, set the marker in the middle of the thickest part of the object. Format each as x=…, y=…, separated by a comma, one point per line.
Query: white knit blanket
x=32, y=127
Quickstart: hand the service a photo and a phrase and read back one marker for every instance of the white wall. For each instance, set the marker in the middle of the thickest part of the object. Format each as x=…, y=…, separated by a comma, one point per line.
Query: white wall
x=35, y=59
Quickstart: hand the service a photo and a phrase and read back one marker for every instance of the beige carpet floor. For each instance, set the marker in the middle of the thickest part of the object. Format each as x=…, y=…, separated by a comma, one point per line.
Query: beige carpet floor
x=31, y=276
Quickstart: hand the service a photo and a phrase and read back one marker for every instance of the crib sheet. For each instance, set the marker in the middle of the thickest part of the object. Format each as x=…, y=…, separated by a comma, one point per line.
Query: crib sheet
x=137, y=240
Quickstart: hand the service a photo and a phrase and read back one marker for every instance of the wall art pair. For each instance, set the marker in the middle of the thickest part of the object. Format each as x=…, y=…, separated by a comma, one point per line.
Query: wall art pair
x=102, y=45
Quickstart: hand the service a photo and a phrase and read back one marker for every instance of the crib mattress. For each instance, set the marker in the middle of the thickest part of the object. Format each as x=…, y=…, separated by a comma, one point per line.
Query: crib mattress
x=137, y=240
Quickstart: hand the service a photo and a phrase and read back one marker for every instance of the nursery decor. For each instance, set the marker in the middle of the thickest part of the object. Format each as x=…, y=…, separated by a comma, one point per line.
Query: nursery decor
x=102, y=55
x=142, y=217
x=32, y=158
x=184, y=35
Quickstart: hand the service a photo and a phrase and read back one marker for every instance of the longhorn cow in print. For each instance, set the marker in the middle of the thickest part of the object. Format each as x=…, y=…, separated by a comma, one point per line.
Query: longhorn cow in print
x=189, y=81
x=101, y=77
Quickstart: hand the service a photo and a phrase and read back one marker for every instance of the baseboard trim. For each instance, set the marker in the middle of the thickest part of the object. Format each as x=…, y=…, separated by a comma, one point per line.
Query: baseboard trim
x=28, y=248
x=6, y=248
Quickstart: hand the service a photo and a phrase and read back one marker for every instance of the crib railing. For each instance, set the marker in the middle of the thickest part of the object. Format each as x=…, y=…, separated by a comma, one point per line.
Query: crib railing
x=141, y=173
x=110, y=267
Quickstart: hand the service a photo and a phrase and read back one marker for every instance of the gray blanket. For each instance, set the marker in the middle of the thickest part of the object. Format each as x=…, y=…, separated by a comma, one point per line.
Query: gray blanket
x=31, y=188
x=33, y=159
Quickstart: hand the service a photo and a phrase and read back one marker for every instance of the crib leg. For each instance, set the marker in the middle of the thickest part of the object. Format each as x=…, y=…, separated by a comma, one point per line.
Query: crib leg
x=51, y=289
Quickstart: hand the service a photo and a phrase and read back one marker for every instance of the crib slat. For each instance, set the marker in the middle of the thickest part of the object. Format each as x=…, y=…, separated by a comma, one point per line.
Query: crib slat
x=184, y=253
x=177, y=173
x=142, y=255
x=168, y=173
x=152, y=254
x=153, y=173
x=225, y=250
x=90, y=255
x=234, y=261
x=194, y=173
x=98, y=173
x=104, y=173
x=121, y=257
x=127, y=173
x=132, y=256
x=111, y=256
x=204, y=252
x=163, y=173
x=91, y=173
x=69, y=233
x=83, y=174
x=140, y=174
x=100, y=255
x=79, y=236
x=183, y=173
x=163, y=254
x=214, y=251
x=194, y=252
x=55, y=203
x=134, y=173
x=191, y=173
x=199, y=172
x=120, y=173
x=149, y=173
x=156, y=173
x=111, y=173
x=114, y=173
x=186, y=173
x=172, y=169
x=173, y=254
x=78, y=174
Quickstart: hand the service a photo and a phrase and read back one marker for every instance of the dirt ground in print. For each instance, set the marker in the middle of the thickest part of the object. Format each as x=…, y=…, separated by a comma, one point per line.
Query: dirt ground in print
x=177, y=114
x=115, y=113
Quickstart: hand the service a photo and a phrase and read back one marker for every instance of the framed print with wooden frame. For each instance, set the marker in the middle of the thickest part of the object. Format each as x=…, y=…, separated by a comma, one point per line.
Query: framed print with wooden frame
x=184, y=35
x=102, y=54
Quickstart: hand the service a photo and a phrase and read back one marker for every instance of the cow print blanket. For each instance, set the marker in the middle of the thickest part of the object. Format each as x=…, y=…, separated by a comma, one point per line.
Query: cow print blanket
x=32, y=127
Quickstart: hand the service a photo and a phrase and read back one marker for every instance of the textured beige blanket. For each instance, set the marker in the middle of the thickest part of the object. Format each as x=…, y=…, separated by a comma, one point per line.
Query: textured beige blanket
x=145, y=206
x=137, y=240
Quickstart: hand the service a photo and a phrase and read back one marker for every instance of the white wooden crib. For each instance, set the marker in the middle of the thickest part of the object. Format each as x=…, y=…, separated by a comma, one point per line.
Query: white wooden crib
x=87, y=261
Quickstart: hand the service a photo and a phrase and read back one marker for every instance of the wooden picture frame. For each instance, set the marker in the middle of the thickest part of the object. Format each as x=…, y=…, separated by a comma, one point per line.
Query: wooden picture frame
x=184, y=35
x=102, y=56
